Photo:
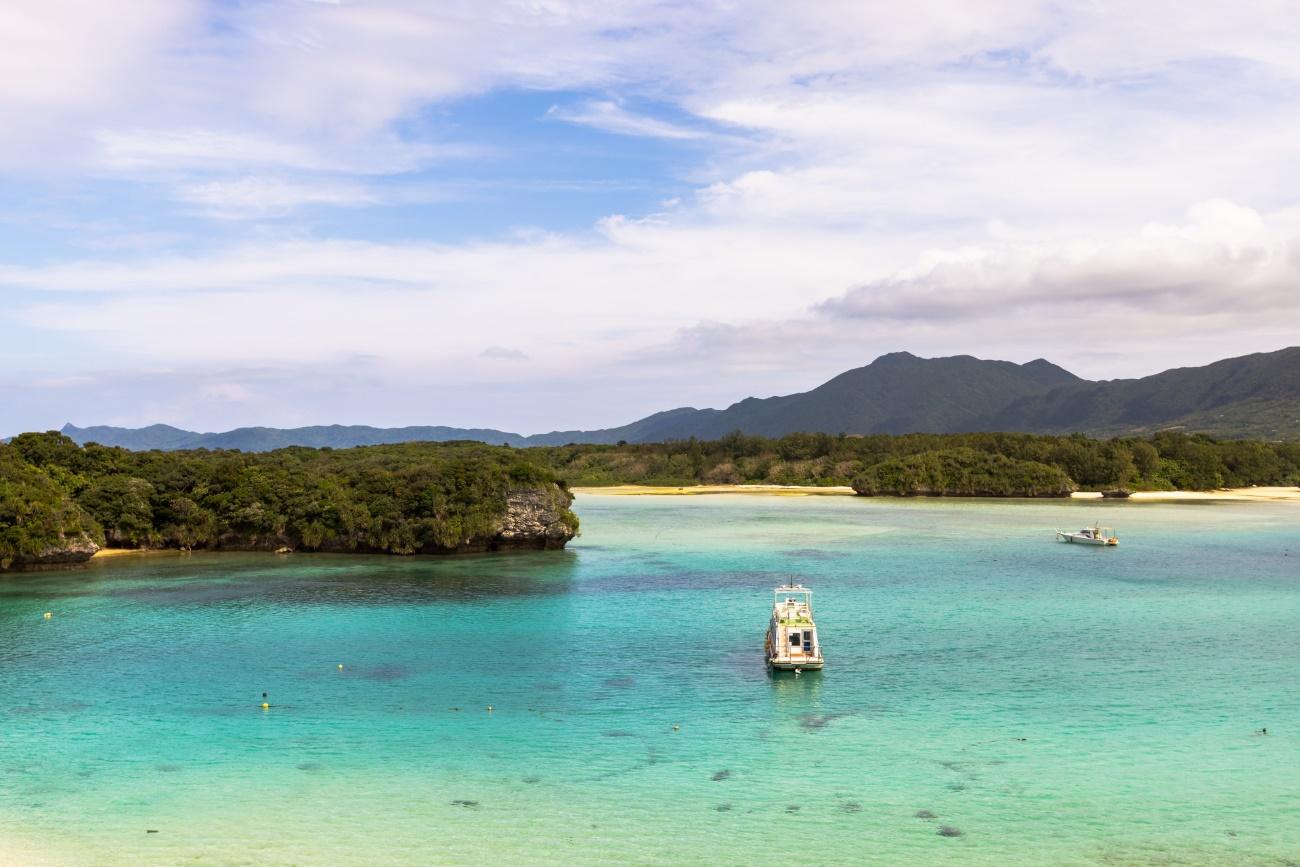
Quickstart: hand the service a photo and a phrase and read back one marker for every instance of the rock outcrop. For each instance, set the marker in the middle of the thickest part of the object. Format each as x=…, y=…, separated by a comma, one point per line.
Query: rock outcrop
x=68, y=552
x=537, y=518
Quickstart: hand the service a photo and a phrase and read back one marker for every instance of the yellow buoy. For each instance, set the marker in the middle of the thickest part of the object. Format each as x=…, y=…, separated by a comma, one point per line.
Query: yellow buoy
x=49, y=614
x=265, y=706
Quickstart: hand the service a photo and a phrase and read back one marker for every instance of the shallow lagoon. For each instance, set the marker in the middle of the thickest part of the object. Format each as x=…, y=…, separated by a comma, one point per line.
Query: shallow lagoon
x=1045, y=703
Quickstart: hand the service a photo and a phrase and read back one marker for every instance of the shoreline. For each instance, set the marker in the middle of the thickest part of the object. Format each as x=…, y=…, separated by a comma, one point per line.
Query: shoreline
x=700, y=490
x=1242, y=495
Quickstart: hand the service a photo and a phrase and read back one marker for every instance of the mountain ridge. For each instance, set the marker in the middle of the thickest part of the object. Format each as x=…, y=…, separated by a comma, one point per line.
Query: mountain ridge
x=1256, y=395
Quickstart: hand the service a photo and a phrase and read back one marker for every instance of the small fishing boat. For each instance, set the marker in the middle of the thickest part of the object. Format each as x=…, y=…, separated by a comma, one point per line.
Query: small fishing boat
x=1090, y=536
x=791, y=643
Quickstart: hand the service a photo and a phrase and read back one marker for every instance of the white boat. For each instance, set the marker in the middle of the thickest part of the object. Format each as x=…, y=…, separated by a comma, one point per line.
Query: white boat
x=1090, y=536
x=792, y=643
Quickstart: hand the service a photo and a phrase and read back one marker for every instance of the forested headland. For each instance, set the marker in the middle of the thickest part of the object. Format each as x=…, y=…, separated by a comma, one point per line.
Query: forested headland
x=971, y=464
x=59, y=501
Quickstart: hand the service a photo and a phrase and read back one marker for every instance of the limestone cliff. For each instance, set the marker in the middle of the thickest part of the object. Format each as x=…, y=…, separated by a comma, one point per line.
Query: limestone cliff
x=537, y=518
x=67, y=552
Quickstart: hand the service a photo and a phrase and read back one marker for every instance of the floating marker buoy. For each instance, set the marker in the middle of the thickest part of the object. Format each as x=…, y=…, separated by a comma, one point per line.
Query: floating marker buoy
x=265, y=706
x=676, y=727
x=49, y=614
x=340, y=666
x=490, y=708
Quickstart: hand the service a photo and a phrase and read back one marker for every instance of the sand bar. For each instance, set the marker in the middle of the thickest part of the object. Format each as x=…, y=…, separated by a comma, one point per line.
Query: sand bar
x=1233, y=494
x=109, y=553
x=695, y=490
x=1238, y=494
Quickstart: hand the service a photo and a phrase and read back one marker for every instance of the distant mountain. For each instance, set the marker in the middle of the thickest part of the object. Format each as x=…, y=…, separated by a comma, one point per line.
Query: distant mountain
x=260, y=439
x=1251, y=396
x=1254, y=396
x=896, y=393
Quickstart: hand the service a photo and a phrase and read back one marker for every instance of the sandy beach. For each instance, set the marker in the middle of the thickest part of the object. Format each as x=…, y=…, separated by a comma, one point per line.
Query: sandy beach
x=1231, y=494
x=109, y=553
x=669, y=491
x=1239, y=494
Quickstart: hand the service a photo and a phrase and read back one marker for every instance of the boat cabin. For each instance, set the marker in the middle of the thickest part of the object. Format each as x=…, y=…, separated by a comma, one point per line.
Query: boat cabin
x=792, y=635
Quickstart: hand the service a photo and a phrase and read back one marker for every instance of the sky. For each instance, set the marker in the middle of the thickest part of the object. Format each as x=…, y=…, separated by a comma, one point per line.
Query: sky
x=553, y=214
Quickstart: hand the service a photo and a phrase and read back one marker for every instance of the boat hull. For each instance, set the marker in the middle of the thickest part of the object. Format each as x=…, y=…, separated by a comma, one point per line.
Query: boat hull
x=1084, y=540
x=780, y=665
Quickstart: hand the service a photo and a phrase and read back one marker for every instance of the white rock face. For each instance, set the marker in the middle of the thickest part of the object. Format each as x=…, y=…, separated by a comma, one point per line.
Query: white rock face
x=535, y=518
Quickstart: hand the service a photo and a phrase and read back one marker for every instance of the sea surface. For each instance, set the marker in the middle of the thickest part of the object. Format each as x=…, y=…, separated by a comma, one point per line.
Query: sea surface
x=991, y=696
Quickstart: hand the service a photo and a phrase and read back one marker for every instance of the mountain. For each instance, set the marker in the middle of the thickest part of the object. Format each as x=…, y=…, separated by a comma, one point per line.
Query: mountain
x=1252, y=396
x=896, y=393
x=261, y=439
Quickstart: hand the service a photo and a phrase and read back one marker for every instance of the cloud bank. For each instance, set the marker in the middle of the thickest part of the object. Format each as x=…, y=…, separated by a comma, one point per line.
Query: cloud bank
x=1009, y=179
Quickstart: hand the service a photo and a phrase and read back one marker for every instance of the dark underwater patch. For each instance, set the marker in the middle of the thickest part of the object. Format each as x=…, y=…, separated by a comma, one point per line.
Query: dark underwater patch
x=463, y=803
x=850, y=807
x=813, y=721
x=619, y=682
x=382, y=672
x=948, y=831
x=924, y=814
x=310, y=767
x=723, y=808
x=721, y=775
x=618, y=733
x=812, y=554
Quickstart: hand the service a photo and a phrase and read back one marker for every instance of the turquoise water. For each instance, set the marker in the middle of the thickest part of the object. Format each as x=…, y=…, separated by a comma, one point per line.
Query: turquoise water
x=1053, y=704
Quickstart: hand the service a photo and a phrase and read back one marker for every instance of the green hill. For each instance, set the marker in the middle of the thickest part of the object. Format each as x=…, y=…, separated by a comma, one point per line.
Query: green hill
x=1254, y=396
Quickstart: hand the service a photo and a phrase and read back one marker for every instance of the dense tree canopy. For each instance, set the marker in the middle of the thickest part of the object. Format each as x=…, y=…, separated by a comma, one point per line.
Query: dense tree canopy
x=1165, y=462
x=437, y=496
x=395, y=499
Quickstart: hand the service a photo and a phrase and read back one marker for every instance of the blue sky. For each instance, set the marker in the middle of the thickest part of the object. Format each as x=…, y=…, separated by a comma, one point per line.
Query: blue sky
x=539, y=214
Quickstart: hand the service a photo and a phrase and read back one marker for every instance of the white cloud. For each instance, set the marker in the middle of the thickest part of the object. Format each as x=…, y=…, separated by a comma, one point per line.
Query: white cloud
x=134, y=151
x=1220, y=283
x=251, y=197
x=505, y=353
x=233, y=392
x=1225, y=261
x=1227, y=274
x=71, y=63
x=612, y=117
x=937, y=176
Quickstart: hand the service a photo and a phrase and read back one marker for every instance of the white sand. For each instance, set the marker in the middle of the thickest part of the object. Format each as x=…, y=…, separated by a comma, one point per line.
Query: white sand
x=1237, y=494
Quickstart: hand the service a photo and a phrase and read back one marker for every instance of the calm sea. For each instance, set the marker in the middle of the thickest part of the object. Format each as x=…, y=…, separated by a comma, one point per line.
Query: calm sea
x=990, y=696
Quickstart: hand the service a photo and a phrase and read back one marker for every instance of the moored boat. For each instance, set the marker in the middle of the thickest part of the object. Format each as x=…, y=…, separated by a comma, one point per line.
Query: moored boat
x=1097, y=535
x=792, y=643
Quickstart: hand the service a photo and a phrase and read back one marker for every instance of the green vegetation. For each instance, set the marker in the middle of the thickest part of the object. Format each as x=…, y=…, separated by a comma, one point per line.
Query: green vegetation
x=917, y=463
x=443, y=497
x=398, y=499
x=37, y=514
x=963, y=472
